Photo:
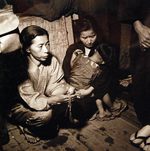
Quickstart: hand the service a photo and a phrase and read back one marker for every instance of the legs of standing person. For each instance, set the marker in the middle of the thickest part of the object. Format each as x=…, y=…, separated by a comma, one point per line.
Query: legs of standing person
x=147, y=87
x=141, y=97
x=145, y=131
x=138, y=87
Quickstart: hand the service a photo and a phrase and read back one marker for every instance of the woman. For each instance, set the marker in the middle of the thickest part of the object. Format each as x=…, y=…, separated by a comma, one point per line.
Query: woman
x=88, y=44
x=44, y=94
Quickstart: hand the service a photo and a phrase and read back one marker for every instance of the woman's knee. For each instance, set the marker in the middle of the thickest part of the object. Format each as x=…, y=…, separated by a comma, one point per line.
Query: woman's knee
x=39, y=118
x=47, y=117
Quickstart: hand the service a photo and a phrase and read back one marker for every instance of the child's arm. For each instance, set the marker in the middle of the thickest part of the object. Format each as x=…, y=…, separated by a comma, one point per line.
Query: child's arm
x=84, y=92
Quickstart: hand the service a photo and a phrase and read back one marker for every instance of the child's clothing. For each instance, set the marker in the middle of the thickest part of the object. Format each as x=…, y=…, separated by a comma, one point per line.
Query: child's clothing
x=84, y=71
x=92, y=71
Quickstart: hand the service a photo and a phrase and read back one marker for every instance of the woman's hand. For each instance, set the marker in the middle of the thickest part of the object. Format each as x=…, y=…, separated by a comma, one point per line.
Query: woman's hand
x=58, y=99
x=71, y=90
x=143, y=34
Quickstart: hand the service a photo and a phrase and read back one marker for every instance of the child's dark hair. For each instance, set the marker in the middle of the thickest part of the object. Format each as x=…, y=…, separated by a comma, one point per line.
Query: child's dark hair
x=29, y=33
x=87, y=22
x=108, y=53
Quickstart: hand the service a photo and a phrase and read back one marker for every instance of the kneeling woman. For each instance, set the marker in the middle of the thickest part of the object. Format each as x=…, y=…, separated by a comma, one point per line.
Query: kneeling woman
x=44, y=94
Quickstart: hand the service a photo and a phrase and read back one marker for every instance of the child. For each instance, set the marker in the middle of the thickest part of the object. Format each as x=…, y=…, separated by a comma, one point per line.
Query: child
x=45, y=93
x=86, y=72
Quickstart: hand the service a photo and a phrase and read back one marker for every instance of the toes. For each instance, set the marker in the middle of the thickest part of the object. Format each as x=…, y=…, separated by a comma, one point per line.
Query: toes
x=135, y=139
x=146, y=148
x=32, y=140
x=132, y=137
x=142, y=145
x=147, y=145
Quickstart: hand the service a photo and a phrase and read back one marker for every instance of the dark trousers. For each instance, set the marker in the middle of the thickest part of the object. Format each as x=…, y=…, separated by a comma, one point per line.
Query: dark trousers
x=39, y=122
x=140, y=68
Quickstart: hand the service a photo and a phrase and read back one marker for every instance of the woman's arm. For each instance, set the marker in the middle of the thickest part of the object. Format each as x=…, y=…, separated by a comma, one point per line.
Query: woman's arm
x=66, y=62
x=38, y=101
x=66, y=66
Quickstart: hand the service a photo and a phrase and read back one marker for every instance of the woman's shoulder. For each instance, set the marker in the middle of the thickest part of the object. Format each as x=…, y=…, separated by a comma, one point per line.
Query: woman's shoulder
x=54, y=60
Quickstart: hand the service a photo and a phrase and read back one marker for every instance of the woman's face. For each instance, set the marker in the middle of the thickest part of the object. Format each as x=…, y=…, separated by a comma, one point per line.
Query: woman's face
x=88, y=38
x=39, y=48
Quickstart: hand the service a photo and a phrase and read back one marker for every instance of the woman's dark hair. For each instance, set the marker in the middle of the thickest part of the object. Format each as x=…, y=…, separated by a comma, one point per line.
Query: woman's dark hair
x=87, y=22
x=29, y=33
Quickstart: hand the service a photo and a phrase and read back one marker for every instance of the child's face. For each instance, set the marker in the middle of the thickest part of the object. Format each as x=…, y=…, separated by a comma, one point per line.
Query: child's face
x=88, y=38
x=39, y=48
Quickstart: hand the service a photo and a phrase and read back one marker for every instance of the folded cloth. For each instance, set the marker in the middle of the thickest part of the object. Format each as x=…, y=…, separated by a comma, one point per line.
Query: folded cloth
x=118, y=111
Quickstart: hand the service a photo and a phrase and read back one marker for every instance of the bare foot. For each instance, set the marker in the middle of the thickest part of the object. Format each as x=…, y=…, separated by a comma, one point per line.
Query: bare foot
x=105, y=113
x=29, y=136
x=108, y=113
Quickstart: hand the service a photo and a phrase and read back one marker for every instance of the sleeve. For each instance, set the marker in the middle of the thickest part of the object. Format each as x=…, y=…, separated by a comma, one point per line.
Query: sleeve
x=129, y=11
x=33, y=99
x=56, y=77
